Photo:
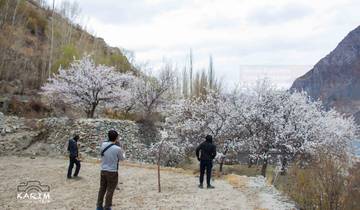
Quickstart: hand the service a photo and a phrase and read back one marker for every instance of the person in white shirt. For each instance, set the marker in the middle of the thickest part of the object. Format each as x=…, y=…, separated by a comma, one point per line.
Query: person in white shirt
x=111, y=154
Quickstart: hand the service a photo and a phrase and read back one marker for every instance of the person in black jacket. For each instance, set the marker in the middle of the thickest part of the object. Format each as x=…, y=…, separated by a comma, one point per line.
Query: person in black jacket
x=73, y=156
x=205, y=153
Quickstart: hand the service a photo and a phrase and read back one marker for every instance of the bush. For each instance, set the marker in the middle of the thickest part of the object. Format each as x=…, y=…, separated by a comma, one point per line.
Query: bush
x=118, y=115
x=352, y=196
x=2, y=3
x=36, y=22
x=67, y=54
x=119, y=61
x=325, y=184
x=31, y=109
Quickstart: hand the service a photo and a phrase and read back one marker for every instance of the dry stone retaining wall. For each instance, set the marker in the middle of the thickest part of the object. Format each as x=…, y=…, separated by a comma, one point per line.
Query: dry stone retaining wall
x=49, y=136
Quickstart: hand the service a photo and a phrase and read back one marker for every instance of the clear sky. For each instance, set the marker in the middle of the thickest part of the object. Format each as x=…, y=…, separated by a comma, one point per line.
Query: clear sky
x=248, y=39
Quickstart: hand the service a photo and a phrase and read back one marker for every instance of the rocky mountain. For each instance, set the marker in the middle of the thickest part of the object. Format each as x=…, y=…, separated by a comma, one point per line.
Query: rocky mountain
x=335, y=79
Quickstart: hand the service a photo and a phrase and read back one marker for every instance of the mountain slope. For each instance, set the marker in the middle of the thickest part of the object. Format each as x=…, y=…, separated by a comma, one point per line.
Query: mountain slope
x=335, y=79
x=28, y=29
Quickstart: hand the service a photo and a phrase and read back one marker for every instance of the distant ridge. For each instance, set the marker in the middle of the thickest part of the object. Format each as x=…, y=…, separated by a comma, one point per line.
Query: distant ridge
x=335, y=79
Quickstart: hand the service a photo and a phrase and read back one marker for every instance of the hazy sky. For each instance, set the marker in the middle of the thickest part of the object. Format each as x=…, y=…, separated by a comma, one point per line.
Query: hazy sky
x=248, y=39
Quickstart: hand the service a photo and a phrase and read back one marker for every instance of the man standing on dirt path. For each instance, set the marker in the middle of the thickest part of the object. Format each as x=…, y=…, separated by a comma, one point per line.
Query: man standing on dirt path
x=111, y=154
x=206, y=153
x=73, y=156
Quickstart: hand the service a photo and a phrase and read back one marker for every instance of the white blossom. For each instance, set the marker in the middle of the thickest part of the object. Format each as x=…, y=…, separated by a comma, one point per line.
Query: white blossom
x=86, y=85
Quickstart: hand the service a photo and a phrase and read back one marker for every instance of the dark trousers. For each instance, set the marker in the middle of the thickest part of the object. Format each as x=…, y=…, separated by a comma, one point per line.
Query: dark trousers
x=108, y=183
x=73, y=161
x=205, y=165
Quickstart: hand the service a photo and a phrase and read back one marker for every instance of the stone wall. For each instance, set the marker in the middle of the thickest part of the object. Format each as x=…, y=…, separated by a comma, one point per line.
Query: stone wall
x=49, y=136
x=16, y=134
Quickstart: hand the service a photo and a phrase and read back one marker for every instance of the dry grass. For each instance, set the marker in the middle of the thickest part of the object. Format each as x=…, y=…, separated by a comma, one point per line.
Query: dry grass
x=236, y=181
x=325, y=184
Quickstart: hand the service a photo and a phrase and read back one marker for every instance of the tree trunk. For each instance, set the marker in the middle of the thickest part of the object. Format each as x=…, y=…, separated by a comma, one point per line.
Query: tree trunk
x=158, y=166
x=221, y=165
x=264, y=166
x=3, y=19
x=283, y=166
x=191, y=74
x=159, y=184
x=52, y=39
x=92, y=111
x=250, y=162
x=15, y=11
x=222, y=160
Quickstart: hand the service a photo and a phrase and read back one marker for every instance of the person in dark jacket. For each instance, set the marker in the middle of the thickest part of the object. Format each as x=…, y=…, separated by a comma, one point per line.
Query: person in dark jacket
x=205, y=153
x=73, y=156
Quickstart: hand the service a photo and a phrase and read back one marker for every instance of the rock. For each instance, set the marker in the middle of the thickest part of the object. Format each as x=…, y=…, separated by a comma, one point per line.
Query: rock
x=8, y=130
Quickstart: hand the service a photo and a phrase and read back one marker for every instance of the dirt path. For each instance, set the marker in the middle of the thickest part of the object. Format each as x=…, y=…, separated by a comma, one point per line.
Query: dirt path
x=138, y=188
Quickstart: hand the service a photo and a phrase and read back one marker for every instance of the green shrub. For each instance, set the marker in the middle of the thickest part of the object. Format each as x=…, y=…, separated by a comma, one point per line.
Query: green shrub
x=67, y=55
x=118, y=61
x=2, y=3
x=36, y=22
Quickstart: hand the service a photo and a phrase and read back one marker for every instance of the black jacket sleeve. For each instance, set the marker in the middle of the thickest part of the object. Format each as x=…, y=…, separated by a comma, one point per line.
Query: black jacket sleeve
x=198, y=152
x=213, y=152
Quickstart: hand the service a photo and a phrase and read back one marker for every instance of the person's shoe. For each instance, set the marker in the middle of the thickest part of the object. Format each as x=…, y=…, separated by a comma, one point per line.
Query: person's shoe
x=69, y=177
x=201, y=186
x=99, y=208
x=210, y=187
